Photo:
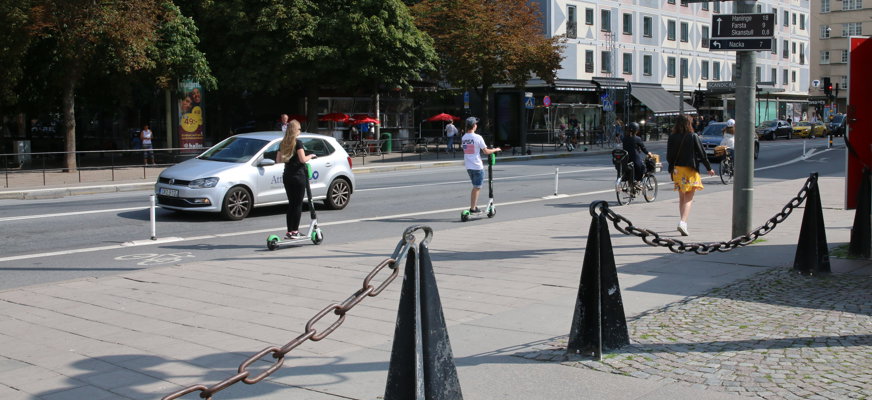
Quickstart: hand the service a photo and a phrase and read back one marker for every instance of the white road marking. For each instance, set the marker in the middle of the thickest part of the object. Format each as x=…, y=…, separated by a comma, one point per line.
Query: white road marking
x=22, y=217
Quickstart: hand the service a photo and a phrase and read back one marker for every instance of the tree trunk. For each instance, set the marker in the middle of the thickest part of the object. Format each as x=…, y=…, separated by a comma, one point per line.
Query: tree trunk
x=68, y=108
x=485, y=120
x=312, y=94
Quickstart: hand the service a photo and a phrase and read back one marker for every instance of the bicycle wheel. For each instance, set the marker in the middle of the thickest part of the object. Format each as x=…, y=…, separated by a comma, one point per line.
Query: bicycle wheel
x=622, y=189
x=726, y=171
x=649, y=187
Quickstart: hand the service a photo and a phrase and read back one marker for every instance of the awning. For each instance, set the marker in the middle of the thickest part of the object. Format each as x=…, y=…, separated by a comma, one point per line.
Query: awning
x=574, y=85
x=658, y=100
x=609, y=83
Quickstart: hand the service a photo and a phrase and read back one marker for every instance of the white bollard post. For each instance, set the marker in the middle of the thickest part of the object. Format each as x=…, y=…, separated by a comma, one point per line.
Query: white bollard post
x=556, y=177
x=151, y=212
x=803, y=149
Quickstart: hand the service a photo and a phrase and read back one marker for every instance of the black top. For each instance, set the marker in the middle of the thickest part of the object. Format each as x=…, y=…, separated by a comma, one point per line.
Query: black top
x=293, y=164
x=685, y=150
x=635, y=148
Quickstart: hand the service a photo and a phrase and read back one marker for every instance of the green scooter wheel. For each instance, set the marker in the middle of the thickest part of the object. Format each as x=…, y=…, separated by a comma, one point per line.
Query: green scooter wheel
x=464, y=216
x=272, y=242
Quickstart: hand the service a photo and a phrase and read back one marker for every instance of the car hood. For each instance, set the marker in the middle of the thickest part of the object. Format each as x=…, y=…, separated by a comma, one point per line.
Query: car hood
x=715, y=140
x=196, y=168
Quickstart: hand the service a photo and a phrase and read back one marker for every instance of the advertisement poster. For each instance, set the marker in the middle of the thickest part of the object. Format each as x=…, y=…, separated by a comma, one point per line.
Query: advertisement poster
x=190, y=115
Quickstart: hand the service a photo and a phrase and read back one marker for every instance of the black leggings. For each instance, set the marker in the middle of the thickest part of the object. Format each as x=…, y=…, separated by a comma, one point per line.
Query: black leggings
x=295, y=188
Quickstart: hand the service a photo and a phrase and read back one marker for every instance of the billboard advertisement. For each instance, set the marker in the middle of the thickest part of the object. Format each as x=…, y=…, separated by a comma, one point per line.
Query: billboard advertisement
x=191, y=125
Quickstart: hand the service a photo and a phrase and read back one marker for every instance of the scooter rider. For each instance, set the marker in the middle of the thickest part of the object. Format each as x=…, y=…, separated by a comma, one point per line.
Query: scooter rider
x=473, y=144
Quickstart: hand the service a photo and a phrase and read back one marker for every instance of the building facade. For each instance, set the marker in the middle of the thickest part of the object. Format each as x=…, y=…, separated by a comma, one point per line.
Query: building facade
x=832, y=23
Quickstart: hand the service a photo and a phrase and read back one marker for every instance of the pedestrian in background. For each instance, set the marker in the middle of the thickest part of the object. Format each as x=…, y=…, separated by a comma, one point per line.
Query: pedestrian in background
x=282, y=124
x=473, y=144
x=292, y=153
x=684, y=152
x=450, y=133
x=145, y=137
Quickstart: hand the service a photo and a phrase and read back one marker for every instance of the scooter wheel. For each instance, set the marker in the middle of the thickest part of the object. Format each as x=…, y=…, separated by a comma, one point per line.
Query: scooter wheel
x=491, y=213
x=272, y=242
x=464, y=216
x=317, y=237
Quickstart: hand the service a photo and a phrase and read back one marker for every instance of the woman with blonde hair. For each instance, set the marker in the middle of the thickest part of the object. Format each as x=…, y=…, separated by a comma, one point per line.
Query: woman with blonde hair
x=683, y=153
x=292, y=153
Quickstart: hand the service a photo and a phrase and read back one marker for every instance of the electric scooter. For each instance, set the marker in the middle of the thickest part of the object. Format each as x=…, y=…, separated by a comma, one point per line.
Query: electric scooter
x=314, y=233
x=465, y=215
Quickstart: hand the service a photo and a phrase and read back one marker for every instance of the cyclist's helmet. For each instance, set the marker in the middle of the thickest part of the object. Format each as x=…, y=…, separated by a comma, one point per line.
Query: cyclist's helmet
x=633, y=127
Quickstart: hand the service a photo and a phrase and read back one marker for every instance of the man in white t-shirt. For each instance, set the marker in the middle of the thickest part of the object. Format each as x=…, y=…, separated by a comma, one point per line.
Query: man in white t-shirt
x=450, y=133
x=473, y=144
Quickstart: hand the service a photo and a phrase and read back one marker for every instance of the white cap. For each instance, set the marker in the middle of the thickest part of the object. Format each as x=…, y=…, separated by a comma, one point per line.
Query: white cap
x=731, y=122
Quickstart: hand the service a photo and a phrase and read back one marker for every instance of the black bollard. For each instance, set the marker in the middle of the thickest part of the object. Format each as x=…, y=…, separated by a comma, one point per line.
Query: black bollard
x=598, y=321
x=861, y=232
x=422, y=365
x=812, y=254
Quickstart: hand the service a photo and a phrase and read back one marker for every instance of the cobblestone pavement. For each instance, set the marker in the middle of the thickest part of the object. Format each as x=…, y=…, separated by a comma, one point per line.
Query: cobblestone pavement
x=777, y=335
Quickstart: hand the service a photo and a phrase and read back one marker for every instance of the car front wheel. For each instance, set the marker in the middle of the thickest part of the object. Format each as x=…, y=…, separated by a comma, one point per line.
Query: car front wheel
x=237, y=204
x=338, y=194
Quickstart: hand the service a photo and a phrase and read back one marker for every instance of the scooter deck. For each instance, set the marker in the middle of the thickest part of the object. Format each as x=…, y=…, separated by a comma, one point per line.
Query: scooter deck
x=275, y=241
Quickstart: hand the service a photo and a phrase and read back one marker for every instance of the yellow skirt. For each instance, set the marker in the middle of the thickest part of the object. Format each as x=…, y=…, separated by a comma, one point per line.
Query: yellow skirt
x=686, y=179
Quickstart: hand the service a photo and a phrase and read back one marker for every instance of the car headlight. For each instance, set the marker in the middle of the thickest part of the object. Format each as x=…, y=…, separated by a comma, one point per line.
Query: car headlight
x=203, y=183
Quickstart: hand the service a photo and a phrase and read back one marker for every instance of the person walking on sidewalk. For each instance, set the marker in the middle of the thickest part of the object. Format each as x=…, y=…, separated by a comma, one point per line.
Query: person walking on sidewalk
x=472, y=145
x=291, y=153
x=683, y=153
x=450, y=133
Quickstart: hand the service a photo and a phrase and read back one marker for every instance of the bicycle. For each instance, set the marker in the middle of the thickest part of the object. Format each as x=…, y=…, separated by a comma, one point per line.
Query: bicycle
x=725, y=166
x=625, y=186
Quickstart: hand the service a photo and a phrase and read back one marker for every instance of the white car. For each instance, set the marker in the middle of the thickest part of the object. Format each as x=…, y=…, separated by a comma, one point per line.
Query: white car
x=240, y=173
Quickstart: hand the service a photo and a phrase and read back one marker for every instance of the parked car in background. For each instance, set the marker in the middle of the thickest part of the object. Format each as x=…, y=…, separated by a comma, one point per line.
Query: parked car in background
x=771, y=130
x=805, y=129
x=241, y=173
x=711, y=137
x=837, y=125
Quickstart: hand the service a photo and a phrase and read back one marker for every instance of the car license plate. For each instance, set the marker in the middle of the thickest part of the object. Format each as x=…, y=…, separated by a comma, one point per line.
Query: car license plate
x=168, y=192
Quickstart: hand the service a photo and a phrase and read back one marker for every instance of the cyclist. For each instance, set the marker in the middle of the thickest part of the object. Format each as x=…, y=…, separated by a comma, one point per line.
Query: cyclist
x=636, y=152
x=729, y=140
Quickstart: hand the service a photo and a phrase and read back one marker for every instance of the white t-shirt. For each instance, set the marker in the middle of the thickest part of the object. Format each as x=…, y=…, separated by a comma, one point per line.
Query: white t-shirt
x=472, y=143
x=146, y=137
x=729, y=140
x=450, y=130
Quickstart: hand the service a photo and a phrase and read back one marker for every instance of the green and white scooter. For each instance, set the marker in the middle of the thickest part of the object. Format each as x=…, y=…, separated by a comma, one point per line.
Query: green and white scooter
x=314, y=234
x=491, y=210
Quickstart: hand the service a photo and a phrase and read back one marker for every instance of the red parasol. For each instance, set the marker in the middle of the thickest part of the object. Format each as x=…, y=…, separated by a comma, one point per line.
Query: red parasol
x=443, y=117
x=338, y=117
x=362, y=119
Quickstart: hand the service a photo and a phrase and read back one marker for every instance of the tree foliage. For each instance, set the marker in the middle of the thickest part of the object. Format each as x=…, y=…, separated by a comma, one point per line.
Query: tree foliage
x=14, y=40
x=488, y=42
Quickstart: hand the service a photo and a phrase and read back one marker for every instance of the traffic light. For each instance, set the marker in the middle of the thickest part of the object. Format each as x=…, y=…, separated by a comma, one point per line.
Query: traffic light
x=836, y=93
x=828, y=87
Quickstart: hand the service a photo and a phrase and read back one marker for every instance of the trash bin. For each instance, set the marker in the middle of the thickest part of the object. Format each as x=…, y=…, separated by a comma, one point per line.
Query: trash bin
x=388, y=145
x=22, y=148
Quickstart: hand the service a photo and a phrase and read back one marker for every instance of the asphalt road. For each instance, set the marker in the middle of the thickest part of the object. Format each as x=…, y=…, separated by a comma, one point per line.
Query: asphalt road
x=94, y=235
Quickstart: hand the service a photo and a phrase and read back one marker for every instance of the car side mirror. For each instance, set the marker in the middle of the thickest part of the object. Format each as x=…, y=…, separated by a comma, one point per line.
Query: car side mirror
x=266, y=162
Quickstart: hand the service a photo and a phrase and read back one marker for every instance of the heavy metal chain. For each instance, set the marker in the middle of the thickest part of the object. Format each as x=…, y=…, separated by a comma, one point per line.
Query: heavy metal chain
x=339, y=309
x=677, y=246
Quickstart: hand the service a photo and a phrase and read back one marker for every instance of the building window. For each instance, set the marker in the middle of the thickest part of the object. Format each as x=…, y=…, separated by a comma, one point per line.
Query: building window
x=670, y=29
x=606, y=61
x=571, y=22
x=845, y=56
x=588, y=61
x=716, y=70
x=792, y=76
x=844, y=81
x=705, y=37
x=628, y=63
x=852, y=29
x=647, y=26
x=606, y=17
x=685, y=32
x=684, y=3
x=775, y=15
x=773, y=76
x=759, y=74
x=670, y=1
x=848, y=5
x=792, y=47
x=704, y=70
x=705, y=6
x=684, y=68
x=628, y=24
x=801, y=54
x=825, y=6
x=785, y=49
x=717, y=7
x=802, y=21
x=784, y=77
x=588, y=16
x=825, y=31
x=670, y=67
x=646, y=65
x=786, y=21
x=774, y=46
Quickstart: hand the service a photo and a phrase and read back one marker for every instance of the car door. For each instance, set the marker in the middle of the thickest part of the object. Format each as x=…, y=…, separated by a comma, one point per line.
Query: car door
x=269, y=187
x=321, y=165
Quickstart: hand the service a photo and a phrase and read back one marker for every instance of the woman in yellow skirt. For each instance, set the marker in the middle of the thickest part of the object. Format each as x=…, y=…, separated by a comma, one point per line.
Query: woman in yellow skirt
x=684, y=152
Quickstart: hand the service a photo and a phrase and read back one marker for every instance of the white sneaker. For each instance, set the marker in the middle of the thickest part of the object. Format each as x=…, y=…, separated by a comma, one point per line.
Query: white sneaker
x=682, y=228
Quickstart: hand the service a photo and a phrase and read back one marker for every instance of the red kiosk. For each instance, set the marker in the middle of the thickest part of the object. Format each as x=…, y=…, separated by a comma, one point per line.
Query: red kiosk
x=859, y=124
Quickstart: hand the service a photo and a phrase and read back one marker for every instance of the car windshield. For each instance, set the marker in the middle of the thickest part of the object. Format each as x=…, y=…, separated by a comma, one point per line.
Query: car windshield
x=768, y=124
x=803, y=123
x=235, y=150
x=838, y=119
x=714, y=130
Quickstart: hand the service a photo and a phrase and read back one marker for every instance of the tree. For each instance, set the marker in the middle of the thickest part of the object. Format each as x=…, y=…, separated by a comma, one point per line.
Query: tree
x=488, y=42
x=15, y=38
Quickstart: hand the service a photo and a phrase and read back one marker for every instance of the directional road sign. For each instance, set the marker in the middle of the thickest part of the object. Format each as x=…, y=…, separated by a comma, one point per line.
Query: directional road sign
x=741, y=44
x=742, y=25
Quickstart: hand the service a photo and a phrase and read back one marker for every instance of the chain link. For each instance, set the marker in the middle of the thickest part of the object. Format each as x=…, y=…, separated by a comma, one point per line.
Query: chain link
x=625, y=226
x=339, y=309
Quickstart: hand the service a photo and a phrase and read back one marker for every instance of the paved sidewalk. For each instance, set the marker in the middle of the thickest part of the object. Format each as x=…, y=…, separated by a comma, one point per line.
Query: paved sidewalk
x=702, y=327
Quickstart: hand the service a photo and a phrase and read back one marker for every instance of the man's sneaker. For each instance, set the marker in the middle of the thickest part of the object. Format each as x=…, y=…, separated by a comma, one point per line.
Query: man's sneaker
x=475, y=210
x=682, y=228
x=293, y=236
